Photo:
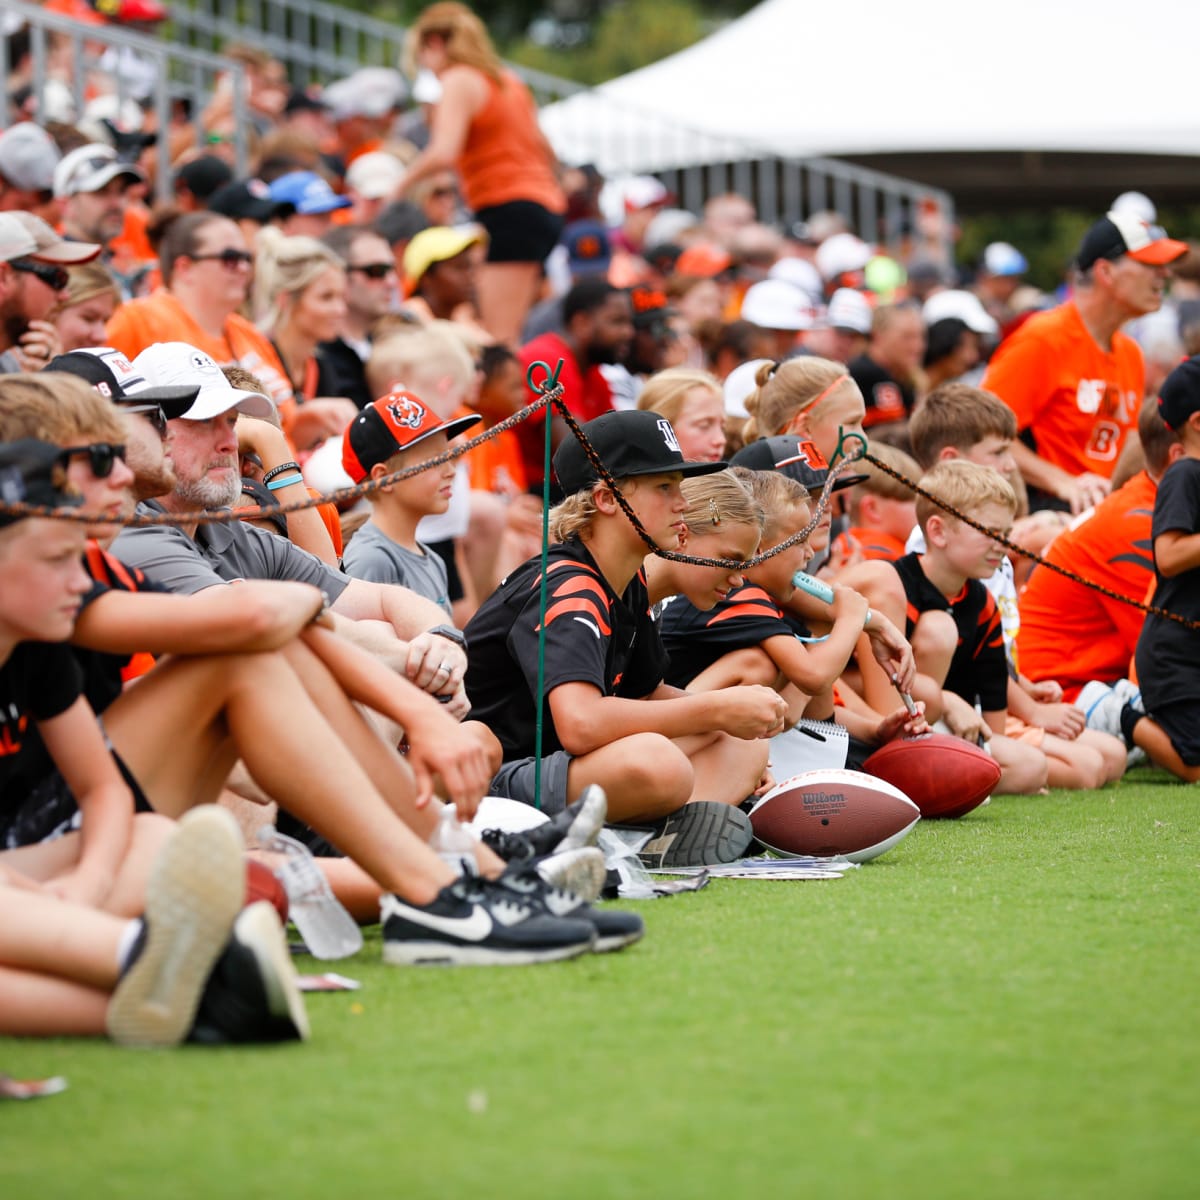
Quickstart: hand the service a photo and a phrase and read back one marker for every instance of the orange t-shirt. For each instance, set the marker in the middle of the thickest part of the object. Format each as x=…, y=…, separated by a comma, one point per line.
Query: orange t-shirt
x=871, y=543
x=163, y=318
x=1078, y=400
x=1072, y=633
x=497, y=466
x=504, y=157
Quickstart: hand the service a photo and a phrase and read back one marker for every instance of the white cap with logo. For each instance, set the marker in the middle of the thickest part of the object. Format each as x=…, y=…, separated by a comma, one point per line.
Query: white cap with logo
x=176, y=364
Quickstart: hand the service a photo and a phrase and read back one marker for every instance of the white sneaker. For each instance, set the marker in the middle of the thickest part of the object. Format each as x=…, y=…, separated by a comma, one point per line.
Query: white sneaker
x=1101, y=707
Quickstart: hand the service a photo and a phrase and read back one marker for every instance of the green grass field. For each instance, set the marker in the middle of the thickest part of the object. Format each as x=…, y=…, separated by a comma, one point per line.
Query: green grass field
x=1003, y=1006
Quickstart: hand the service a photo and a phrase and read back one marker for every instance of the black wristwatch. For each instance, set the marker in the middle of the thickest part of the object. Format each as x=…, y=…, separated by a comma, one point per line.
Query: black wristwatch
x=450, y=634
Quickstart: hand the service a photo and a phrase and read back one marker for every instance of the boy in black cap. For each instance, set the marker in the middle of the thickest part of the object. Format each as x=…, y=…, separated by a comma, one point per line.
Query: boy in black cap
x=1166, y=722
x=682, y=763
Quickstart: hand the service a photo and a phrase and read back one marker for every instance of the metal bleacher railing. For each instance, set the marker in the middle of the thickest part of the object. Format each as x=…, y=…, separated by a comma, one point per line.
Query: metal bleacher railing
x=107, y=54
x=317, y=41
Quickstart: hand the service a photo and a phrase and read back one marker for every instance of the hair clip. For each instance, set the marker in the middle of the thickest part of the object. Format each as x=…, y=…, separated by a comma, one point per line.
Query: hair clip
x=713, y=512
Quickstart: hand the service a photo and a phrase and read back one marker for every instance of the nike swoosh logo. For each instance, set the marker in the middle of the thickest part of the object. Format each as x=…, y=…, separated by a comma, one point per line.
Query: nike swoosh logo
x=590, y=624
x=469, y=929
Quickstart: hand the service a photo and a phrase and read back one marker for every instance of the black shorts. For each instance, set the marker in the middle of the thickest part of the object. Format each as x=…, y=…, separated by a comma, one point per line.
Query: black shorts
x=520, y=231
x=1181, y=723
x=49, y=810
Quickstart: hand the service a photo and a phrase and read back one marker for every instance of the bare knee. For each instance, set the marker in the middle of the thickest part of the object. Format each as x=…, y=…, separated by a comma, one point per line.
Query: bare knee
x=1023, y=771
x=151, y=831
x=934, y=640
x=879, y=582
x=646, y=776
x=746, y=666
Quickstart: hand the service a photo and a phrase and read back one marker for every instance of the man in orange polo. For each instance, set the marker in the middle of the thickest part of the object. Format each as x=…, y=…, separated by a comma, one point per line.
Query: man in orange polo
x=1074, y=380
x=1073, y=633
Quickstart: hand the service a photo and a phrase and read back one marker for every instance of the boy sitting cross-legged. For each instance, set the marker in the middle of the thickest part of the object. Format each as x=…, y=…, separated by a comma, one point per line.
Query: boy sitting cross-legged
x=953, y=621
x=680, y=762
x=958, y=422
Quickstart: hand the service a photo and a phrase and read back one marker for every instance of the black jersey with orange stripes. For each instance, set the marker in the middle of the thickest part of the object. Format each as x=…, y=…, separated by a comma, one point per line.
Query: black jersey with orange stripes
x=592, y=636
x=979, y=670
x=105, y=674
x=695, y=639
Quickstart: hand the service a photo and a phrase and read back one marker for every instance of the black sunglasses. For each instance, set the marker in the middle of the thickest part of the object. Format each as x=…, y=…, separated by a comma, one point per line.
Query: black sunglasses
x=374, y=270
x=153, y=413
x=230, y=259
x=102, y=456
x=53, y=277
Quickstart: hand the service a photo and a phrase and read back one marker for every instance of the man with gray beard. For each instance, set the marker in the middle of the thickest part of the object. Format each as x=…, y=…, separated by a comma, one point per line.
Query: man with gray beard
x=397, y=625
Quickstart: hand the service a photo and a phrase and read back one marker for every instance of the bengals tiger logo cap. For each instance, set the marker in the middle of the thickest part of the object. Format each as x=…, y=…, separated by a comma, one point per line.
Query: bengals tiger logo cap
x=393, y=423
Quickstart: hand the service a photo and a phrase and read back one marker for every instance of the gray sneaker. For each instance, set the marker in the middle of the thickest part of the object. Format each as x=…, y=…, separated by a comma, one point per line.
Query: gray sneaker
x=699, y=835
x=194, y=894
x=580, y=871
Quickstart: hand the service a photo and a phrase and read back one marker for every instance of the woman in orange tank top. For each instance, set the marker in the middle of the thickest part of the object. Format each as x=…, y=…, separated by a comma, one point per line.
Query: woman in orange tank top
x=485, y=126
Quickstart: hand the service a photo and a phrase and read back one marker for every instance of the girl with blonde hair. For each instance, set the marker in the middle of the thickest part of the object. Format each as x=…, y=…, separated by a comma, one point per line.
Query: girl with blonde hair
x=694, y=404
x=92, y=298
x=811, y=397
x=485, y=126
x=299, y=301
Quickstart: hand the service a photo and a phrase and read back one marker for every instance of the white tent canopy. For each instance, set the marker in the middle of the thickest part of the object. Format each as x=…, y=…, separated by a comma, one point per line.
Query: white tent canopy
x=798, y=79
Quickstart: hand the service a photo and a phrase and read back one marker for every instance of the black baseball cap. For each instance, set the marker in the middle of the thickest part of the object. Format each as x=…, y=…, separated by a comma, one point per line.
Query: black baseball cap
x=628, y=443
x=32, y=472
x=1179, y=395
x=650, y=307
x=249, y=199
x=301, y=101
x=204, y=175
x=797, y=459
x=114, y=376
x=1121, y=233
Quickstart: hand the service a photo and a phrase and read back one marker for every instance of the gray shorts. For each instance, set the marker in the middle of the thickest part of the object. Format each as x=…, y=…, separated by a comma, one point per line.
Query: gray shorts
x=515, y=780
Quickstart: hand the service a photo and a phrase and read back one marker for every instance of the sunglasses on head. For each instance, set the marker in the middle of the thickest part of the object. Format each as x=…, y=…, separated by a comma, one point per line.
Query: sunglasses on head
x=101, y=456
x=153, y=413
x=230, y=259
x=53, y=277
x=374, y=270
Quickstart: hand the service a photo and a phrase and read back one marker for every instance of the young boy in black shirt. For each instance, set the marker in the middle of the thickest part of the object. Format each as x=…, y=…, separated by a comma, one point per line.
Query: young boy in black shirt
x=953, y=621
x=1168, y=653
x=663, y=757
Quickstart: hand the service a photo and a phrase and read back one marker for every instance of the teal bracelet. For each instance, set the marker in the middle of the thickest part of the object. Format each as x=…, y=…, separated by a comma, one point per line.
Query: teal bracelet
x=287, y=481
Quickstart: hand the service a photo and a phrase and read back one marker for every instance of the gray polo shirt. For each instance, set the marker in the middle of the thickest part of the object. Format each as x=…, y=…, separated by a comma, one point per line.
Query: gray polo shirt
x=219, y=554
x=373, y=556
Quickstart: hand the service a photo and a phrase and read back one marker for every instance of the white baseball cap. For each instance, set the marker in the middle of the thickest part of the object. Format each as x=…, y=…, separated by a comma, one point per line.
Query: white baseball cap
x=375, y=175
x=963, y=305
x=89, y=168
x=739, y=383
x=29, y=155
x=23, y=235
x=841, y=254
x=848, y=309
x=777, y=304
x=799, y=273
x=176, y=364
x=1137, y=204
